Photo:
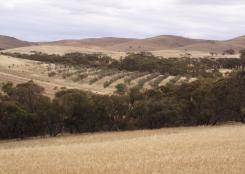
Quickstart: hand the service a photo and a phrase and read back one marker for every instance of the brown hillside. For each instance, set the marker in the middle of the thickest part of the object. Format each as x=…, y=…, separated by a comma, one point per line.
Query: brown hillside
x=156, y=43
x=7, y=42
x=164, y=42
x=216, y=47
x=92, y=42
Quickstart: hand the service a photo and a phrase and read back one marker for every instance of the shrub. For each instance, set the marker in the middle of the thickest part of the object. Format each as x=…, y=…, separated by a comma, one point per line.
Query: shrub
x=142, y=82
x=114, y=79
x=121, y=88
x=155, y=83
x=52, y=74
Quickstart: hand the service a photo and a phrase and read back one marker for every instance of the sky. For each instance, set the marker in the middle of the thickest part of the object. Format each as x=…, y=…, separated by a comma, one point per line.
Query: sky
x=46, y=20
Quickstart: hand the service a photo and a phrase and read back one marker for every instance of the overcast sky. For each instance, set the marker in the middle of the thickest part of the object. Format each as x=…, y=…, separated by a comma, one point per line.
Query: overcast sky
x=43, y=20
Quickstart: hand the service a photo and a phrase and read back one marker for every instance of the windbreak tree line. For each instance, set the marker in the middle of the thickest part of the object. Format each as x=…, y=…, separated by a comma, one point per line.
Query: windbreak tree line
x=143, y=62
x=26, y=112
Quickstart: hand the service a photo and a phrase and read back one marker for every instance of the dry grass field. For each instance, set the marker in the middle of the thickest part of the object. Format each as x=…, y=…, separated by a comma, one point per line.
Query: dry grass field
x=58, y=49
x=199, y=150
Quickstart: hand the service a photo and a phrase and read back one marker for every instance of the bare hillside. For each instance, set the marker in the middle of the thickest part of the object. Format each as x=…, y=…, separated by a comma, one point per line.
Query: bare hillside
x=218, y=46
x=163, y=42
x=7, y=42
x=156, y=43
x=92, y=42
x=118, y=47
x=126, y=44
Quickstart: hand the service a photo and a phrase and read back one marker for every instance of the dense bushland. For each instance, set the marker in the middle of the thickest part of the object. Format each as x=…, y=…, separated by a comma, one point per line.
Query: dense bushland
x=25, y=112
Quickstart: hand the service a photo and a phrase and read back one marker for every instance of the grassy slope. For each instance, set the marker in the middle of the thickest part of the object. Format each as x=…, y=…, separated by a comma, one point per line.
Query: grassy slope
x=56, y=49
x=178, y=150
x=20, y=71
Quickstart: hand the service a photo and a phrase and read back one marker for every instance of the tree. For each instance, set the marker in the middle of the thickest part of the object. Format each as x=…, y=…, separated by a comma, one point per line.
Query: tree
x=242, y=58
x=51, y=119
x=153, y=113
x=229, y=52
x=193, y=96
x=15, y=121
x=135, y=94
x=77, y=107
x=28, y=94
x=29, y=109
x=7, y=88
x=226, y=99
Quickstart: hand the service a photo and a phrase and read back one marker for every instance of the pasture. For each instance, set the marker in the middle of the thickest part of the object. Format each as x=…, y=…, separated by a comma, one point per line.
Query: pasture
x=197, y=150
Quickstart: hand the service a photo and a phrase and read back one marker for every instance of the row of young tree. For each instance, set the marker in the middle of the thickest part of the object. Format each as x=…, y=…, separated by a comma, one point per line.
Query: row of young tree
x=144, y=62
x=26, y=112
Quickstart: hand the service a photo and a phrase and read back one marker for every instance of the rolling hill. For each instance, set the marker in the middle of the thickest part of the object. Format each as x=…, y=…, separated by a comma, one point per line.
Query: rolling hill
x=166, y=42
x=7, y=42
x=163, y=42
x=121, y=45
x=92, y=42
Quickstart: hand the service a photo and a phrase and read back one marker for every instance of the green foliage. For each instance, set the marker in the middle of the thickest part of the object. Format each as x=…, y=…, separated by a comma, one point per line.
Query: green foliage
x=158, y=80
x=22, y=112
x=116, y=78
x=93, y=60
x=174, y=80
x=25, y=112
x=142, y=82
x=134, y=77
x=158, y=113
x=143, y=62
x=7, y=88
x=101, y=76
x=121, y=88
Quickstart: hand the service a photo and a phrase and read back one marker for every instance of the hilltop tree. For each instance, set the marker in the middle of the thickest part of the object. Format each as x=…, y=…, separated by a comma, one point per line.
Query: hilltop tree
x=229, y=52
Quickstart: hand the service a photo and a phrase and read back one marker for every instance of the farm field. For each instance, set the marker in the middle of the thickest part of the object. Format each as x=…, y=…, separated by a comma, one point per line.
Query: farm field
x=197, y=150
x=56, y=77
x=58, y=49
x=122, y=87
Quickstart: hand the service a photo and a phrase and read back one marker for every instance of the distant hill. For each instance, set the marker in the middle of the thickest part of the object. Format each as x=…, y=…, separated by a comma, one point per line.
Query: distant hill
x=130, y=44
x=92, y=42
x=7, y=42
x=219, y=46
x=164, y=42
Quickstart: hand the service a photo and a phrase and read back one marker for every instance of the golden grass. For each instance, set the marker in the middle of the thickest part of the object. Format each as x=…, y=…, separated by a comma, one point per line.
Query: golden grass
x=197, y=150
x=25, y=70
x=57, y=49
x=21, y=71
